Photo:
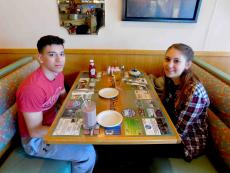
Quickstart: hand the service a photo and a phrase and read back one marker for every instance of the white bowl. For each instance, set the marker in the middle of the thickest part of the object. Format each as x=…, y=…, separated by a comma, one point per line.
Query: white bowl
x=109, y=118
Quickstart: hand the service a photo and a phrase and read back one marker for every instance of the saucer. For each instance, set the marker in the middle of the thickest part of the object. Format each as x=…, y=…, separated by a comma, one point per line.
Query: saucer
x=108, y=93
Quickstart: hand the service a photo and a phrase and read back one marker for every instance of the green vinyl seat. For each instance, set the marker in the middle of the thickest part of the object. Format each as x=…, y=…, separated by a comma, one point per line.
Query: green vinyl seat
x=12, y=156
x=217, y=85
x=177, y=165
x=19, y=162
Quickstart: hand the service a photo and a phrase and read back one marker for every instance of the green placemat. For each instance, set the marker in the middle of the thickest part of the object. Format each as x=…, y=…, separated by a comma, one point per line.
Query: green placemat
x=133, y=127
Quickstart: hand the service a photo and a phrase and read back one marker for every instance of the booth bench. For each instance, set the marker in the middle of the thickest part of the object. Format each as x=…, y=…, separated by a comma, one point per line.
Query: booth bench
x=13, y=157
x=217, y=158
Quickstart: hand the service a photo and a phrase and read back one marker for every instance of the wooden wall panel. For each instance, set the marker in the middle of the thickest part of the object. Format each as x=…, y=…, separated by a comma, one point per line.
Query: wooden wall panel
x=77, y=60
x=149, y=63
x=144, y=60
x=220, y=60
x=8, y=56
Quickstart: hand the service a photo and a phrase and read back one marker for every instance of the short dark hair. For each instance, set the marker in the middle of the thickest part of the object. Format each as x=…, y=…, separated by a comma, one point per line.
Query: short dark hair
x=48, y=40
x=184, y=49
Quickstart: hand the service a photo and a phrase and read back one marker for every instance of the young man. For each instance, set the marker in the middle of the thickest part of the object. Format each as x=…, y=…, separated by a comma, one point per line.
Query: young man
x=36, y=101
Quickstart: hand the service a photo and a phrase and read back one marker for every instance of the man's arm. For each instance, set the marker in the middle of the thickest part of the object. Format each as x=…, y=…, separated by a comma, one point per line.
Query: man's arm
x=62, y=96
x=34, y=124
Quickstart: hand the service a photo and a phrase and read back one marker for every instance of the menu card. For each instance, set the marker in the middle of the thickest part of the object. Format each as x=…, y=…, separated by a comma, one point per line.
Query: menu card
x=133, y=127
x=142, y=94
x=151, y=127
x=68, y=126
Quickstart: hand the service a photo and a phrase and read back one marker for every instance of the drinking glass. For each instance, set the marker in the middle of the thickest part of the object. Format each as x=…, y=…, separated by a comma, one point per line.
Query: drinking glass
x=89, y=113
x=117, y=75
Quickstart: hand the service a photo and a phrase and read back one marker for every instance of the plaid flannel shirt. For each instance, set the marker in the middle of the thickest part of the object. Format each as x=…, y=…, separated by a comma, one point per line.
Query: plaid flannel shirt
x=191, y=121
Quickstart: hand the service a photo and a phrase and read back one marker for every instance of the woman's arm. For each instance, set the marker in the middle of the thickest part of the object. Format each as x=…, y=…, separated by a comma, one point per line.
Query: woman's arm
x=192, y=112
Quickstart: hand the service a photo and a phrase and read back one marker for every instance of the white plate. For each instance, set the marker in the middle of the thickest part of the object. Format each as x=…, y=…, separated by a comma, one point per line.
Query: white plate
x=109, y=118
x=108, y=93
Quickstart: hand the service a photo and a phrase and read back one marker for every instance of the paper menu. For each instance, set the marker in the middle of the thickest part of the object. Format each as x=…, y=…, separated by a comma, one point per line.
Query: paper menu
x=83, y=83
x=82, y=92
x=140, y=80
x=143, y=94
x=150, y=126
x=150, y=112
x=66, y=126
x=133, y=127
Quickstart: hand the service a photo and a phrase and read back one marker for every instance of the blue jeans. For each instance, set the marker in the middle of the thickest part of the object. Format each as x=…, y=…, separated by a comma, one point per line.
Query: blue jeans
x=82, y=156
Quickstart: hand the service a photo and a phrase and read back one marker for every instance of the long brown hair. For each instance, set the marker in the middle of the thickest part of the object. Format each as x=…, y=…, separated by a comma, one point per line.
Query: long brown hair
x=187, y=79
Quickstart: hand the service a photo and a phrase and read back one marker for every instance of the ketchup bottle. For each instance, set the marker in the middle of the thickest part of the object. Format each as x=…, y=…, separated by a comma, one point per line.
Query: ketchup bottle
x=92, y=69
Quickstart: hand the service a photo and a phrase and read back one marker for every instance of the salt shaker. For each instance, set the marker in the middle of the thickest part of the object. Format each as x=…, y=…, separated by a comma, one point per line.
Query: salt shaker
x=109, y=70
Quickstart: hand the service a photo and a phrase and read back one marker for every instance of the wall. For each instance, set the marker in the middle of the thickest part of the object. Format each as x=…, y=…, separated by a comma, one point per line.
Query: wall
x=23, y=22
x=218, y=37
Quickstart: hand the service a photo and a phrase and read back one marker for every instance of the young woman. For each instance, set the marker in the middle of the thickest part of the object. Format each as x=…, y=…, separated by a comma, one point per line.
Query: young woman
x=185, y=100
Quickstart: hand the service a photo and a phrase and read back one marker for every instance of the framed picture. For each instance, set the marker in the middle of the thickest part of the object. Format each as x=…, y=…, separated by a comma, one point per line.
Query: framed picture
x=161, y=10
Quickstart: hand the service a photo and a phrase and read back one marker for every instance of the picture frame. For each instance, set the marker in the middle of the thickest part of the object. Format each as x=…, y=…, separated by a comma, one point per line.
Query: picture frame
x=161, y=10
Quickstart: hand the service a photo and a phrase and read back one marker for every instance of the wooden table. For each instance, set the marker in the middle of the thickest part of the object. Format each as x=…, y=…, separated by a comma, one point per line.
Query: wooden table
x=125, y=99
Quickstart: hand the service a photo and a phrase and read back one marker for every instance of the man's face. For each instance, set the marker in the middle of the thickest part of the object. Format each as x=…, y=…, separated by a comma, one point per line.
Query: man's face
x=52, y=58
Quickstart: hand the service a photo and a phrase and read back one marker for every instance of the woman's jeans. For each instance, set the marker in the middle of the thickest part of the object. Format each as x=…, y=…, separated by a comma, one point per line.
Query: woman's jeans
x=82, y=156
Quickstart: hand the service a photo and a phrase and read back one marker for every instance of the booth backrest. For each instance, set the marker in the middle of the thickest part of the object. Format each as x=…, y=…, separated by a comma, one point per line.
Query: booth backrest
x=8, y=110
x=13, y=66
x=218, y=91
x=218, y=88
x=217, y=85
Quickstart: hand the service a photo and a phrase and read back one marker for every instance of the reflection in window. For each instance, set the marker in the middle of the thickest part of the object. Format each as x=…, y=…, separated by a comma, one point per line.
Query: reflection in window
x=81, y=16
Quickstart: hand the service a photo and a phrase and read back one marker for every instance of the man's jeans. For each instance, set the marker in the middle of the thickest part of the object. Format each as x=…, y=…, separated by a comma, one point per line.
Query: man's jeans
x=82, y=156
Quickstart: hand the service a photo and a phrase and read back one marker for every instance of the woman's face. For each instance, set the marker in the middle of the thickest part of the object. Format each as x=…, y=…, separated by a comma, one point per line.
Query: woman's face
x=174, y=64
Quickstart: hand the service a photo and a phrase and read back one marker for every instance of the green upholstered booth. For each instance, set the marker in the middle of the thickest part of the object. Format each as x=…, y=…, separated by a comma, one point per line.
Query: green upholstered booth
x=13, y=157
x=217, y=158
x=13, y=66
